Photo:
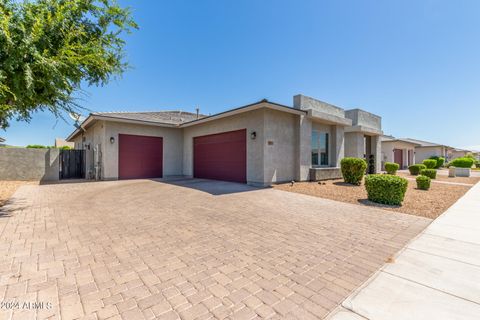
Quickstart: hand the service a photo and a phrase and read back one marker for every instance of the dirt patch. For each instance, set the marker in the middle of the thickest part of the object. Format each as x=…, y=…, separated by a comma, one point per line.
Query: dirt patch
x=441, y=177
x=429, y=204
x=8, y=188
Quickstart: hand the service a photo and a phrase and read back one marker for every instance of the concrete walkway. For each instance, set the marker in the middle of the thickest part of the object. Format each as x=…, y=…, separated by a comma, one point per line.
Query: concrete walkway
x=436, y=276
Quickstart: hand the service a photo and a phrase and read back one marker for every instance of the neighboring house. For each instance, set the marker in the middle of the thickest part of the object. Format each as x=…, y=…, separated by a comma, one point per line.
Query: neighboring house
x=401, y=151
x=59, y=142
x=458, y=153
x=2, y=140
x=259, y=144
x=427, y=149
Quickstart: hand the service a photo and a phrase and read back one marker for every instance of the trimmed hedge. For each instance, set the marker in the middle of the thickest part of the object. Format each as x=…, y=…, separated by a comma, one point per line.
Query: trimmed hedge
x=440, y=161
x=415, y=169
x=391, y=167
x=36, y=146
x=386, y=189
x=462, y=163
x=431, y=173
x=423, y=182
x=353, y=170
x=430, y=163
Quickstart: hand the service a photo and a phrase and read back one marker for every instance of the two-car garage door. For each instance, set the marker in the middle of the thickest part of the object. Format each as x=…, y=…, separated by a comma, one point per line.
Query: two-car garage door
x=221, y=156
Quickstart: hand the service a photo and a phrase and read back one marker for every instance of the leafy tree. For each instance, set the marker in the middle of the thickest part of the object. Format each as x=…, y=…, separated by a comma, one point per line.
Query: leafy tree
x=48, y=48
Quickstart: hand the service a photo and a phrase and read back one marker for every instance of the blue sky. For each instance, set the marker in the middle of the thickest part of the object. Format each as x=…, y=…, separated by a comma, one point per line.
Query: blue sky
x=415, y=63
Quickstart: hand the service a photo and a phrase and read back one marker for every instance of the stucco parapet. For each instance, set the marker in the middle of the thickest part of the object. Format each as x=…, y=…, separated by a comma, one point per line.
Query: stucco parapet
x=364, y=118
x=364, y=129
x=328, y=118
x=306, y=103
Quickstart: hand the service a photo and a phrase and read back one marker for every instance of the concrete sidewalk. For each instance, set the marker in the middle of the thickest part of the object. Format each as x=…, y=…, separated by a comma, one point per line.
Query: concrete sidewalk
x=436, y=276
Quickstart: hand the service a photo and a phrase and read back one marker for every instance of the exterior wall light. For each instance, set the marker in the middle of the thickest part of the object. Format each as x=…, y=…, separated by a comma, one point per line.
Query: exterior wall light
x=253, y=135
x=112, y=140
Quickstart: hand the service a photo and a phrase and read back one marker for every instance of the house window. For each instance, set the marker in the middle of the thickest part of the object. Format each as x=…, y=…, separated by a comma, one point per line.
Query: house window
x=319, y=148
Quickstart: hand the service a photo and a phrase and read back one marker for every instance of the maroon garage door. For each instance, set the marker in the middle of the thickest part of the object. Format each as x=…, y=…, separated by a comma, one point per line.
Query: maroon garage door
x=221, y=156
x=139, y=157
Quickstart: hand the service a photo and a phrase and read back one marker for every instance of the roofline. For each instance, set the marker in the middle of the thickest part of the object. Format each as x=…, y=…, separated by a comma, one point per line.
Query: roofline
x=246, y=108
x=249, y=107
x=433, y=144
x=401, y=140
x=94, y=116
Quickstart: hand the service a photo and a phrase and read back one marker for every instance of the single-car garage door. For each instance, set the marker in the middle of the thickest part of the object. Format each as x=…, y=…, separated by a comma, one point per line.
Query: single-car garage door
x=221, y=156
x=139, y=157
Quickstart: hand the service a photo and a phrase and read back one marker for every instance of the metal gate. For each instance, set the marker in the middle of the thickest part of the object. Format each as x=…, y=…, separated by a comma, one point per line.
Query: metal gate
x=72, y=164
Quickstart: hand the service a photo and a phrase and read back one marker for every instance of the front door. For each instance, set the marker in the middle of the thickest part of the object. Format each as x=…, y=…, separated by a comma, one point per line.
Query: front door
x=398, y=157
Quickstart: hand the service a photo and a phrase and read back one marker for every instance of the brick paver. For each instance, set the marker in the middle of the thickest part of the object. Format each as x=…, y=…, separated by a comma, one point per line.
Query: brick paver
x=144, y=249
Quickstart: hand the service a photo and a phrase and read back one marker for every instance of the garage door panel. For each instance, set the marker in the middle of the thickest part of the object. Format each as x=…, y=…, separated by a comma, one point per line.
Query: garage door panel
x=140, y=157
x=221, y=156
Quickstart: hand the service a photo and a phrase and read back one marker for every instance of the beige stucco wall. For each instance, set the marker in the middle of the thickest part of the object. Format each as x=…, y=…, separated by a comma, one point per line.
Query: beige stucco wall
x=280, y=158
x=457, y=154
x=251, y=121
x=29, y=164
x=426, y=152
x=172, y=147
x=355, y=145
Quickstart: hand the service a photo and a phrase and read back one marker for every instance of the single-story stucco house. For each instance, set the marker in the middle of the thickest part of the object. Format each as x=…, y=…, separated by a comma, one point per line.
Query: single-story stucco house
x=458, y=153
x=398, y=150
x=259, y=144
x=426, y=149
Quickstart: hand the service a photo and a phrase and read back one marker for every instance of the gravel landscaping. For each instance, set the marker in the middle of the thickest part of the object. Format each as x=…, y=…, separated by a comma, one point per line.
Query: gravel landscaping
x=428, y=204
x=441, y=177
x=8, y=188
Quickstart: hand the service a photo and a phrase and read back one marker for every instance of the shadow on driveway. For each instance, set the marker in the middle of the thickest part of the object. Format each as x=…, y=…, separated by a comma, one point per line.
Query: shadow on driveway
x=213, y=187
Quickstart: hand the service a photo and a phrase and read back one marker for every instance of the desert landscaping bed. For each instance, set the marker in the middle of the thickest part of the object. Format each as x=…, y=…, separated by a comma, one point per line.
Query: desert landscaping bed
x=429, y=204
x=8, y=188
x=442, y=177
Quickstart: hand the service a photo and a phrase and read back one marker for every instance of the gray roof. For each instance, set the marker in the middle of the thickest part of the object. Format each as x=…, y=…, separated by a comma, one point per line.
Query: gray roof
x=386, y=138
x=168, y=117
x=425, y=143
x=2, y=139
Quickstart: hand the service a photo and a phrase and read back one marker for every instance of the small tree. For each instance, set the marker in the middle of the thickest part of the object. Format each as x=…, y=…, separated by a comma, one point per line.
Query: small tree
x=49, y=47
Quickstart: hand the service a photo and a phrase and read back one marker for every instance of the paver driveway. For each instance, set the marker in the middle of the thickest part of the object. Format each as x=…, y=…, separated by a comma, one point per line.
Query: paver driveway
x=190, y=249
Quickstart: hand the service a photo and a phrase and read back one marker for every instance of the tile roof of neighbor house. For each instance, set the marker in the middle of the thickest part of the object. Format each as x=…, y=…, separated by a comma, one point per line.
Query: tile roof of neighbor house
x=423, y=143
x=168, y=117
x=386, y=138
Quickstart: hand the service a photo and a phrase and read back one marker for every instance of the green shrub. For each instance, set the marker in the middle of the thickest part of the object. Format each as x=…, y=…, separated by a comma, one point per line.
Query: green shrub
x=462, y=163
x=423, y=182
x=415, y=169
x=440, y=161
x=431, y=173
x=385, y=188
x=65, y=148
x=36, y=146
x=353, y=170
x=391, y=167
x=477, y=163
x=430, y=163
